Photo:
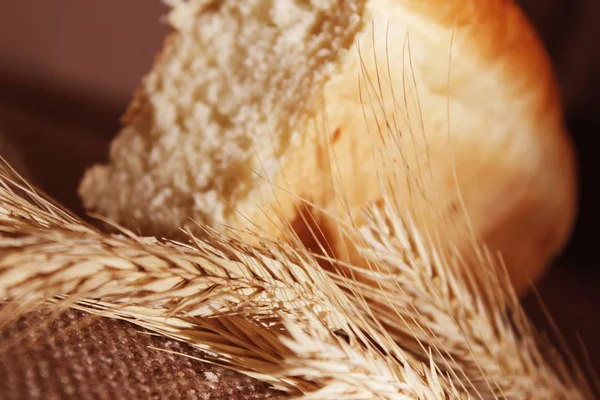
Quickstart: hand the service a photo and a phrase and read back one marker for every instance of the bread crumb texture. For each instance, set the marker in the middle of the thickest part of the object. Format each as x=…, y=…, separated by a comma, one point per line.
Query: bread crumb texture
x=221, y=104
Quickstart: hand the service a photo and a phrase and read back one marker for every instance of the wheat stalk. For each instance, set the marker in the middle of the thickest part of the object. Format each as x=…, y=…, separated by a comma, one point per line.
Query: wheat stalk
x=274, y=314
x=472, y=317
x=271, y=313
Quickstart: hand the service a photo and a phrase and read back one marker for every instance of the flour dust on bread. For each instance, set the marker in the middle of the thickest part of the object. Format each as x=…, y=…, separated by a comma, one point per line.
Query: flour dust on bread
x=253, y=105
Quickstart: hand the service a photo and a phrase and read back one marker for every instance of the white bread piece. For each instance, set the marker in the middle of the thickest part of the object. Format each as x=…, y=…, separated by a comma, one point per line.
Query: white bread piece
x=254, y=103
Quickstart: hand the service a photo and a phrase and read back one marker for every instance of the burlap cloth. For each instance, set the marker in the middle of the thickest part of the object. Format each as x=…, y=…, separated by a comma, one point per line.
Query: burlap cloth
x=77, y=356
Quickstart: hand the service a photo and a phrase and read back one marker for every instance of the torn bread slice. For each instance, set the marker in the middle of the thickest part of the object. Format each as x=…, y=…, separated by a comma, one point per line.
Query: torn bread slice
x=270, y=114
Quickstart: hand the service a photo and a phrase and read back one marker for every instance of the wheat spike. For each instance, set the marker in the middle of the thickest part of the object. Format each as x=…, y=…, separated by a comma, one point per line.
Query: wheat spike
x=270, y=313
x=274, y=314
x=472, y=317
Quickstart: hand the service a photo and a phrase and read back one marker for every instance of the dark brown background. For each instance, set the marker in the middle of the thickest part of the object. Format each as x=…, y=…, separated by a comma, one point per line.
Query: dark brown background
x=68, y=69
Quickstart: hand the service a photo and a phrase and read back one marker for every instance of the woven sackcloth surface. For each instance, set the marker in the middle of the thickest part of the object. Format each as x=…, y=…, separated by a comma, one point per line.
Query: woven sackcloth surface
x=77, y=356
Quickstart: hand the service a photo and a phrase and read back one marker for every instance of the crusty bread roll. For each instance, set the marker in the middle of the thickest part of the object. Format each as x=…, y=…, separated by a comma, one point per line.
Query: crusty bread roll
x=254, y=104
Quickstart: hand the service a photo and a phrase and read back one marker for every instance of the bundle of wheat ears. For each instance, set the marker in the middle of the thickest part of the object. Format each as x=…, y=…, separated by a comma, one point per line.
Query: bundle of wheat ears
x=403, y=300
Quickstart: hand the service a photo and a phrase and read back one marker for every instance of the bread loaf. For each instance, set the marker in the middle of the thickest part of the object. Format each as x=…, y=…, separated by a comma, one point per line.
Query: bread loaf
x=265, y=115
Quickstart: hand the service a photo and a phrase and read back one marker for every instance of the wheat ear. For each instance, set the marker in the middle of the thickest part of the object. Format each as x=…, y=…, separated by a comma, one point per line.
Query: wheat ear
x=270, y=313
x=470, y=316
